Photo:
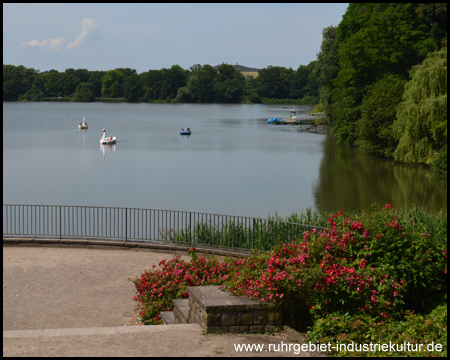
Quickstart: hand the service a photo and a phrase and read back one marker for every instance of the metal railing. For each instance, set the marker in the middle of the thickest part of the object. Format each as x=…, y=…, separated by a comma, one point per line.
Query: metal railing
x=149, y=225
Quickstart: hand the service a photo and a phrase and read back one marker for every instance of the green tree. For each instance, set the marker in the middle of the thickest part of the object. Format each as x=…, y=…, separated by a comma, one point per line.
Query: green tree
x=151, y=83
x=299, y=82
x=132, y=88
x=83, y=93
x=228, y=85
x=251, y=95
x=374, y=40
x=96, y=80
x=274, y=82
x=17, y=80
x=112, y=84
x=174, y=78
x=378, y=113
x=184, y=95
x=68, y=83
x=327, y=69
x=11, y=83
x=199, y=88
x=304, y=82
x=421, y=124
x=52, y=83
x=82, y=75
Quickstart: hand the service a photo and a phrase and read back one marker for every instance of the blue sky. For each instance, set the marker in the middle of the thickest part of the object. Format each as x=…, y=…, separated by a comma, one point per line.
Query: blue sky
x=155, y=36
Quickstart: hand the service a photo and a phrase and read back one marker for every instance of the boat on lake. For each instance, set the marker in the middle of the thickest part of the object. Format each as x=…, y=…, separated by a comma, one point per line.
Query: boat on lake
x=276, y=121
x=292, y=120
x=107, y=140
x=83, y=125
x=185, y=132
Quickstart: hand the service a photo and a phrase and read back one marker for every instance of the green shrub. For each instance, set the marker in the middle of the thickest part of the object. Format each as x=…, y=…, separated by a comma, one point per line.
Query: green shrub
x=414, y=329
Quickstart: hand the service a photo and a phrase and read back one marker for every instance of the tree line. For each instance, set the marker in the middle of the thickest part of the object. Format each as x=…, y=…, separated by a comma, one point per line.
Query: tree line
x=383, y=80
x=199, y=84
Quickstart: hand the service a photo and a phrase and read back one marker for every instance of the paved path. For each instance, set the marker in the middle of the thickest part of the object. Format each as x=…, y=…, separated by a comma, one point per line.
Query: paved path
x=61, y=301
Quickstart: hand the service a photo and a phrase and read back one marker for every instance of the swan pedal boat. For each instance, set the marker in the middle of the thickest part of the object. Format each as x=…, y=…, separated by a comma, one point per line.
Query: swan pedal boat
x=83, y=125
x=107, y=140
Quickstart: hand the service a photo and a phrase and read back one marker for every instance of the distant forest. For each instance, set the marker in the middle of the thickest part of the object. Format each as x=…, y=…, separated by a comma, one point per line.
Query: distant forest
x=380, y=78
x=199, y=84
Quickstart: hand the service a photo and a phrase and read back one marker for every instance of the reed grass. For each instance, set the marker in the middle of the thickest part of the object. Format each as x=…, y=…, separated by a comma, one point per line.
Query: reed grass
x=264, y=235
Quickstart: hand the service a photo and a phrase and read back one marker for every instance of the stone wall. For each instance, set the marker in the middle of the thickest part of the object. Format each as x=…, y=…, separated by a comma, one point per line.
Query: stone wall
x=217, y=311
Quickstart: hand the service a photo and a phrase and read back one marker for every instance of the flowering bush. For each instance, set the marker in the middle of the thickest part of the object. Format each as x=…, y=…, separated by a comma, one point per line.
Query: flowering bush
x=156, y=289
x=374, y=266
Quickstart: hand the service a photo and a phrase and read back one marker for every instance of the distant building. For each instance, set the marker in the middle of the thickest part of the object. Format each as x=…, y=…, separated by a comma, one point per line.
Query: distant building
x=246, y=71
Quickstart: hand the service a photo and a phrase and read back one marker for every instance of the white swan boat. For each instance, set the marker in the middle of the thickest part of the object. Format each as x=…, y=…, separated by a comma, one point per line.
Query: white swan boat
x=83, y=125
x=107, y=140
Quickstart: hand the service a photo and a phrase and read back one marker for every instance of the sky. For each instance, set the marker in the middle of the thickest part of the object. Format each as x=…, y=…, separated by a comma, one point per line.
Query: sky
x=155, y=36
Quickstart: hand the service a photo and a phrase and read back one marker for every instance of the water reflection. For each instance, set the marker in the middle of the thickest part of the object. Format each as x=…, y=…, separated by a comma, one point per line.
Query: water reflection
x=352, y=180
x=185, y=138
x=103, y=148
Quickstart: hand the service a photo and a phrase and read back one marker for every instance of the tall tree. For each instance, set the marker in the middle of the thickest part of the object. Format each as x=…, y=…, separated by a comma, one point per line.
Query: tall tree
x=199, y=88
x=274, y=82
x=83, y=93
x=112, y=84
x=52, y=83
x=304, y=82
x=228, y=85
x=327, y=68
x=378, y=113
x=132, y=88
x=375, y=40
x=17, y=80
x=421, y=123
x=96, y=80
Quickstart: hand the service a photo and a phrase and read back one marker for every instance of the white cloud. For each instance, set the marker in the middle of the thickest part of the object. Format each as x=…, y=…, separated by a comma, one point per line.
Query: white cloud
x=87, y=25
x=52, y=44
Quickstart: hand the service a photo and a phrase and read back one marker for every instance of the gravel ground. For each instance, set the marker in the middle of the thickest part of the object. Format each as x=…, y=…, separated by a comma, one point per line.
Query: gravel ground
x=62, y=301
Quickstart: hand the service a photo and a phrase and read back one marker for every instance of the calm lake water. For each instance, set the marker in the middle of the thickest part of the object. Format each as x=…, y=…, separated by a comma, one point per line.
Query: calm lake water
x=233, y=163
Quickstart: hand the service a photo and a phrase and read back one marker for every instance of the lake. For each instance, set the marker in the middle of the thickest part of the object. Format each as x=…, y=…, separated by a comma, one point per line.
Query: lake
x=234, y=163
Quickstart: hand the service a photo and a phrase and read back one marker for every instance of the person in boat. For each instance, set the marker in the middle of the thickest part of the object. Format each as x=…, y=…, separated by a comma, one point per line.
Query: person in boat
x=182, y=129
x=188, y=130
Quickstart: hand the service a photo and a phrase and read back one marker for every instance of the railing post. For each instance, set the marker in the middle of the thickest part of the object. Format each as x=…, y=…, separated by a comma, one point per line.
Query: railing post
x=126, y=224
x=253, y=237
x=60, y=222
x=190, y=230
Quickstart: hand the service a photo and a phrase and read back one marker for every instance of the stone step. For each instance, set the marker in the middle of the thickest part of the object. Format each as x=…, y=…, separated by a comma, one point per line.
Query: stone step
x=168, y=317
x=181, y=311
x=216, y=310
